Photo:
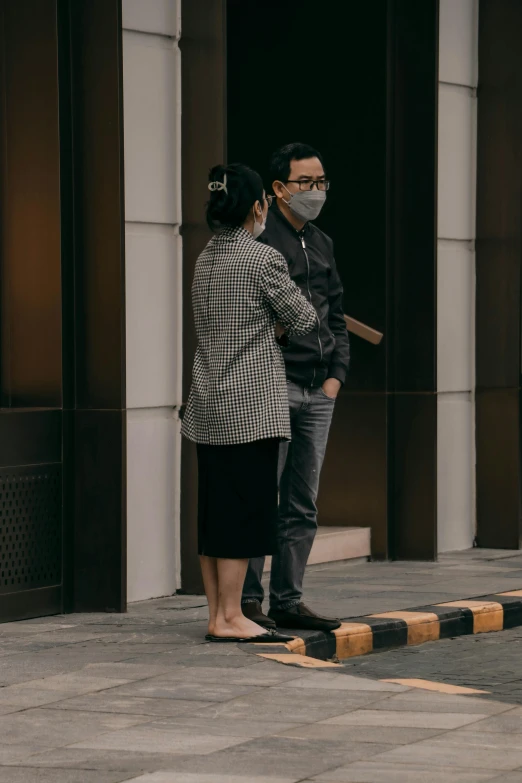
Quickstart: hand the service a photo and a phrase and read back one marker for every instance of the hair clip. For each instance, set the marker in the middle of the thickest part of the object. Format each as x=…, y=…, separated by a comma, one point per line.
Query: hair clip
x=219, y=185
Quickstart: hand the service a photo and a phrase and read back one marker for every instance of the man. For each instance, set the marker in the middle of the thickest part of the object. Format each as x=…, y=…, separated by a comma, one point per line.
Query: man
x=316, y=367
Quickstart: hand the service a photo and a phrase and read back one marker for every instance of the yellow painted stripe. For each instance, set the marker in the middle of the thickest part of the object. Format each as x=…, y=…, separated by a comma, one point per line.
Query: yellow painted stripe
x=440, y=687
x=422, y=626
x=297, y=646
x=487, y=615
x=514, y=593
x=299, y=660
x=353, y=639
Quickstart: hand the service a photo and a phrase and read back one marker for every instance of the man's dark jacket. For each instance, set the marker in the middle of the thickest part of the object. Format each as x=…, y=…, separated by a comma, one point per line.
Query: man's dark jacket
x=324, y=352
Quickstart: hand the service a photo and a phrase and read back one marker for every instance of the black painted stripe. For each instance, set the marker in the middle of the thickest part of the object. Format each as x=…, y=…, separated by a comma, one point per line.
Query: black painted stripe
x=453, y=620
x=386, y=631
x=320, y=644
x=512, y=606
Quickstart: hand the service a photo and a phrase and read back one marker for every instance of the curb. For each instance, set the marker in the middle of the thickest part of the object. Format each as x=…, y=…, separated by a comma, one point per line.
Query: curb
x=388, y=630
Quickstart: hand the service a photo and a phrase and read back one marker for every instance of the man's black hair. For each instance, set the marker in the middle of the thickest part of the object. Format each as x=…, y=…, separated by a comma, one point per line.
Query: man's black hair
x=281, y=162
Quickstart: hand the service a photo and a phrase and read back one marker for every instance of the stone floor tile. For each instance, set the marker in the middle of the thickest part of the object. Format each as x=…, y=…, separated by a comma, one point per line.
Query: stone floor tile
x=433, y=754
x=340, y=585
x=17, y=669
x=172, y=601
x=131, y=650
x=191, y=658
x=420, y=720
x=268, y=673
x=382, y=772
x=215, y=651
x=9, y=709
x=24, y=627
x=386, y=735
x=485, y=708
x=232, y=728
x=148, y=617
x=158, y=740
x=189, y=777
x=423, y=701
x=76, y=683
x=507, y=722
x=106, y=701
x=27, y=667
x=288, y=705
x=69, y=635
x=480, y=739
x=136, y=636
x=54, y=729
x=17, y=753
x=133, y=762
x=340, y=681
x=125, y=671
x=276, y=757
x=407, y=600
x=35, y=775
x=24, y=697
x=197, y=691
x=14, y=645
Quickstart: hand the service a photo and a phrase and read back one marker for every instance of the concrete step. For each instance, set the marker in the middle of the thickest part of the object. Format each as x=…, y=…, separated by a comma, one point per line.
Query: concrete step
x=337, y=543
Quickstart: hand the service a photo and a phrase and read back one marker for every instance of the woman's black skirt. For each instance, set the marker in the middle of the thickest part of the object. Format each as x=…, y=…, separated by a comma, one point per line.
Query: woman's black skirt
x=237, y=496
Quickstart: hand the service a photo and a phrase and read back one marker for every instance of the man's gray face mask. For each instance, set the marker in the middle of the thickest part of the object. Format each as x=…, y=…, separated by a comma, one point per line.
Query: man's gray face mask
x=306, y=204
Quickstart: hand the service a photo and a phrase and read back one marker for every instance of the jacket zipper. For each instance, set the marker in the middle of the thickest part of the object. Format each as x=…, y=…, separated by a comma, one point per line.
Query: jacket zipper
x=303, y=243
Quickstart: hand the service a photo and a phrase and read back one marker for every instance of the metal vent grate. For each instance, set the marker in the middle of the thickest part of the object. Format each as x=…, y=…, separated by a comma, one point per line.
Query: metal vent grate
x=30, y=528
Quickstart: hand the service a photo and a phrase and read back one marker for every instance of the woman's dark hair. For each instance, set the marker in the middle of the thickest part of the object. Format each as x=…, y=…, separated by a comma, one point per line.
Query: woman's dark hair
x=230, y=207
x=281, y=162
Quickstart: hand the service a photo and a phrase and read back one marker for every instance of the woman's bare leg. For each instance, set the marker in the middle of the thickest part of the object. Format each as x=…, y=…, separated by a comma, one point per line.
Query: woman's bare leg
x=210, y=582
x=230, y=620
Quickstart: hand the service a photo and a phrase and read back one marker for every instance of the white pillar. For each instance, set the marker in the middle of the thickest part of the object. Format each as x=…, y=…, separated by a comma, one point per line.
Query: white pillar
x=458, y=66
x=151, y=76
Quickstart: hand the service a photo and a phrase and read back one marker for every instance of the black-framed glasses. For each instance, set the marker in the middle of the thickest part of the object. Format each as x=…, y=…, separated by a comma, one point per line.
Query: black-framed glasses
x=269, y=200
x=309, y=184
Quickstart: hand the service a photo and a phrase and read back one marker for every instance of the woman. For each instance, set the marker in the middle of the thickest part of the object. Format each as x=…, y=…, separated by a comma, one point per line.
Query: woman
x=237, y=411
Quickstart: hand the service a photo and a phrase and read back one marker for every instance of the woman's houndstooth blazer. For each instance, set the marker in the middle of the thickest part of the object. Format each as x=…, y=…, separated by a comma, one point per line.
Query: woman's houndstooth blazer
x=241, y=289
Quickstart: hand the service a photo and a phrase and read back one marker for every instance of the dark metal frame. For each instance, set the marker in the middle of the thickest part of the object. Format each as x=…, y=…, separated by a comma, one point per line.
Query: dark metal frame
x=93, y=305
x=498, y=275
x=413, y=36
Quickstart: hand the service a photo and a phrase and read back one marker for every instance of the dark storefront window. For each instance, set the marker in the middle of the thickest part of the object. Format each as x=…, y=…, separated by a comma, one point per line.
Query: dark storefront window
x=30, y=314
x=62, y=349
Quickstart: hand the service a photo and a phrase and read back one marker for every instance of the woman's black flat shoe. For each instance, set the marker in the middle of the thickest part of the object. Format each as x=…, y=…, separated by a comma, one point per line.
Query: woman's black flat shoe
x=270, y=637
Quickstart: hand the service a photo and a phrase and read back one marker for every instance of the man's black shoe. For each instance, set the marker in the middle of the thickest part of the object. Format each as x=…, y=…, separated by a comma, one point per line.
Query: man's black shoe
x=301, y=617
x=253, y=611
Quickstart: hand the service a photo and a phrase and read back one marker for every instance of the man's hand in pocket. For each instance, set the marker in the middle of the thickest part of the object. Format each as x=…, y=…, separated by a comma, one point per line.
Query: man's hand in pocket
x=331, y=387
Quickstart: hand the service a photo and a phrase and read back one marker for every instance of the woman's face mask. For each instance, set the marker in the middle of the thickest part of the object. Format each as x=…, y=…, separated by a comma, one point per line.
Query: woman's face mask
x=258, y=227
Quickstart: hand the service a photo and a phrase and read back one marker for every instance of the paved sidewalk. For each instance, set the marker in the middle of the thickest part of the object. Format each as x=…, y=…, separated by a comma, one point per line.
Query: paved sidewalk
x=368, y=588
x=104, y=698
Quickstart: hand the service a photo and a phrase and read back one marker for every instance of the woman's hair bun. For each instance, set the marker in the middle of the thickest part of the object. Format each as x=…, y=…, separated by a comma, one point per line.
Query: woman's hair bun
x=217, y=173
x=234, y=190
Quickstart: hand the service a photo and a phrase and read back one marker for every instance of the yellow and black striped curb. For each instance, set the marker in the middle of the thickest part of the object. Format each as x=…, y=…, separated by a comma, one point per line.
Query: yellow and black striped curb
x=386, y=630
